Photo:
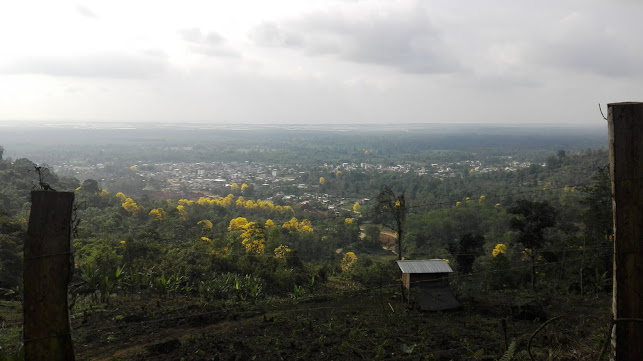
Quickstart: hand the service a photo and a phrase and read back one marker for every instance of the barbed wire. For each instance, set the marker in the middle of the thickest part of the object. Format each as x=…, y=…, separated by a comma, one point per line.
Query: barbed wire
x=415, y=255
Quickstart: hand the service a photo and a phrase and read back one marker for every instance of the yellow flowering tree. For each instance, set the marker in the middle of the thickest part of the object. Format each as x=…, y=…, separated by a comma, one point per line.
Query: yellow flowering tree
x=244, y=187
x=227, y=201
x=253, y=238
x=121, y=196
x=250, y=204
x=291, y=225
x=157, y=213
x=356, y=207
x=240, y=202
x=183, y=213
x=237, y=224
x=305, y=226
x=130, y=206
x=322, y=180
x=282, y=252
x=499, y=249
x=205, y=224
x=348, y=261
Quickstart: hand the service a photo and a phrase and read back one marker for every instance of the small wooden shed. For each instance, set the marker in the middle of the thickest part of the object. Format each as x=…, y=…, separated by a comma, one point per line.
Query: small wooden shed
x=426, y=284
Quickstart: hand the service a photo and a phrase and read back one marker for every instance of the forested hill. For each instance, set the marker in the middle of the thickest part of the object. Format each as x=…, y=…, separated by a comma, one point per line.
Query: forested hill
x=557, y=171
x=19, y=177
x=543, y=229
x=440, y=211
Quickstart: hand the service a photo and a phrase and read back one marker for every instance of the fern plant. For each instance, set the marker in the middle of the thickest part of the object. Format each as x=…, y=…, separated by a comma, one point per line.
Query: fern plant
x=509, y=354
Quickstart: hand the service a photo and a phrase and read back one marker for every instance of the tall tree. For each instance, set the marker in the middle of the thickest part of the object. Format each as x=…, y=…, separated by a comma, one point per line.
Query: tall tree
x=468, y=248
x=390, y=212
x=530, y=220
x=90, y=186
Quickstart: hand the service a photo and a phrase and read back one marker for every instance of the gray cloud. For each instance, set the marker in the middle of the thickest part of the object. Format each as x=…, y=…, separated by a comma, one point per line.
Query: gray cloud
x=403, y=39
x=271, y=34
x=588, y=44
x=107, y=65
x=209, y=44
x=85, y=11
x=155, y=53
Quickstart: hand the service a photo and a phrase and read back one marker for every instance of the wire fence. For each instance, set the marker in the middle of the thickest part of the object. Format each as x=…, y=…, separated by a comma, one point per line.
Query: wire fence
x=359, y=292
x=484, y=276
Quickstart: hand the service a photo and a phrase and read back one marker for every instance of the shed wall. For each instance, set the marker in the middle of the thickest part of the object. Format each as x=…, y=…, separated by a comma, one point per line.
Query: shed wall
x=426, y=279
x=429, y=279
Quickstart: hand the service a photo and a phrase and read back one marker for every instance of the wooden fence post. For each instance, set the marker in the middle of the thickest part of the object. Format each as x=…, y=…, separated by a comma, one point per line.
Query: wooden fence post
x=47, y=271
x=625, y=125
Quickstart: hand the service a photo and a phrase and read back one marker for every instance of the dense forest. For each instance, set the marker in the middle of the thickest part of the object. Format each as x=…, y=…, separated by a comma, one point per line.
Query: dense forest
x=538, y=235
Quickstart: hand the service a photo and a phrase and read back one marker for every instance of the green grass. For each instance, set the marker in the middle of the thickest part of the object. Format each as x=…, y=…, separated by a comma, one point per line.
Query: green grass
x=10, y=327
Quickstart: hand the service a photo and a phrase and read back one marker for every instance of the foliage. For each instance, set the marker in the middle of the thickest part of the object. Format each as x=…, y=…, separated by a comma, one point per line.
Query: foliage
x=237, y=224
x=499, y=249
x=157, y=213
x=211, y=248
x=509, y=354
x=348, y=260
x=206, y=224
x=198, y=242
x=468, y=248
x=282, y=252
x=130, y=206
x=391, y=212
x=20, y=356
x=253, y=238
x=530, y=221
x=293, y=225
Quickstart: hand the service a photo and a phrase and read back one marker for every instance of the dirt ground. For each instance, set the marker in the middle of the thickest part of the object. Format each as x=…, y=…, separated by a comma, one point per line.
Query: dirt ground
x=349, y=326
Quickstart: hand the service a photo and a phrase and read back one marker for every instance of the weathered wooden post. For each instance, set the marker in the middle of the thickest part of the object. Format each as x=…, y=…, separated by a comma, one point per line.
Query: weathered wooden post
x=625, y=125
x=47, y=271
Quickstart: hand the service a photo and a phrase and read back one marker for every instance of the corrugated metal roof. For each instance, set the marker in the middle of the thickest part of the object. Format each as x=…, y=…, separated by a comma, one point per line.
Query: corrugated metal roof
x=424, y=266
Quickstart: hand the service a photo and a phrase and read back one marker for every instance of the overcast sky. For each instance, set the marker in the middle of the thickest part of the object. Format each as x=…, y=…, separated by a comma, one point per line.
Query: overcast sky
x=309, y=61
